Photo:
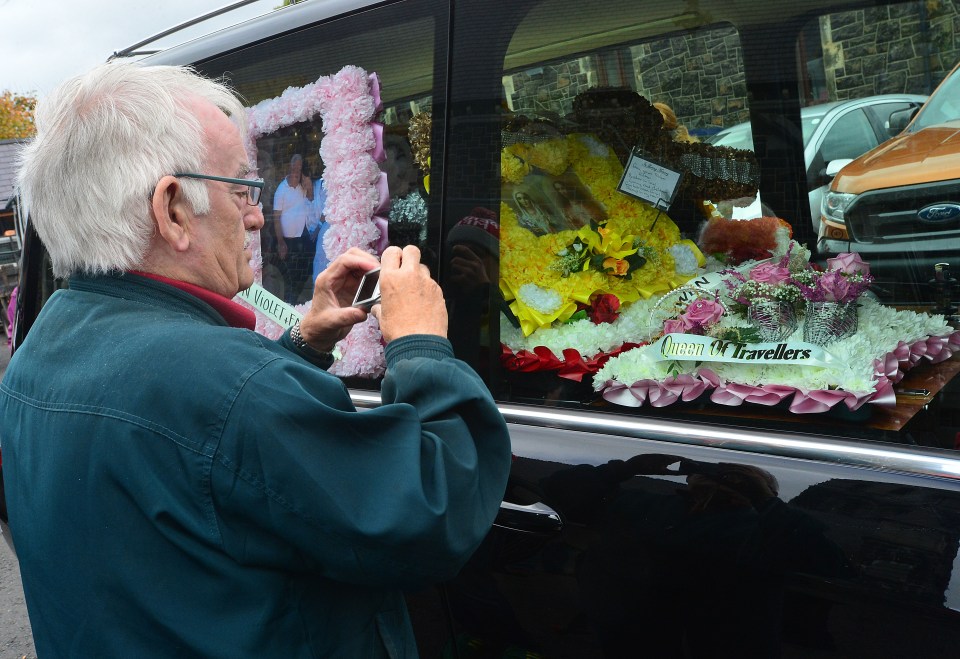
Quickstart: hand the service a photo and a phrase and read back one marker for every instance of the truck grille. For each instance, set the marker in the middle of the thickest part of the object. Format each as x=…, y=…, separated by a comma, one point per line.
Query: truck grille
x=891, y=214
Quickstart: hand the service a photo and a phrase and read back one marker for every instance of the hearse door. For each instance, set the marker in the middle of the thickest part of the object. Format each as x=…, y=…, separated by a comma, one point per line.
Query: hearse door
x=614, y=546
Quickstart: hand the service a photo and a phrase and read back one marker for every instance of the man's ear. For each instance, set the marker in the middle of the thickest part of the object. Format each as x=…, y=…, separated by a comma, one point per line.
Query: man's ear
x=172, y=213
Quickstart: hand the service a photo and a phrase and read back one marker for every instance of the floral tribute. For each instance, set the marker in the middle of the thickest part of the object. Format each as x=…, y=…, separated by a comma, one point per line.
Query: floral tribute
x=792, y=280
x=352, y=146
x=699, y=317
x=621, y=301
x=568, y=287
x=854, y=370
x=548, y=278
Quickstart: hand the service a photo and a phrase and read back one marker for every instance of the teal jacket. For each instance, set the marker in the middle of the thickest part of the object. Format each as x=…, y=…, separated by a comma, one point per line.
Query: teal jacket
x=179, y=487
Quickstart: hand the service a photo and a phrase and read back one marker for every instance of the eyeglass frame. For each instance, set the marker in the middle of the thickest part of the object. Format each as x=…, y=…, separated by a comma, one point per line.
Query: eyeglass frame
x=251, y=183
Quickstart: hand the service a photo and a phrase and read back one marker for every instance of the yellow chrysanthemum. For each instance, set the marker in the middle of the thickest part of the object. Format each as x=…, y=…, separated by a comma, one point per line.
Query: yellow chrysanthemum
x=512, y=168
x=552, y=156
x=526, y=258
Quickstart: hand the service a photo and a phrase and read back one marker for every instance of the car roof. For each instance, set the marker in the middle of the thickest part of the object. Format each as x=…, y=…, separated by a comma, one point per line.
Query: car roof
x=823, y=109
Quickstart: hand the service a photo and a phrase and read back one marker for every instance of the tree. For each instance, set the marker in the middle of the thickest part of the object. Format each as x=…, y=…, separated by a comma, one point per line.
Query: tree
x=16, y=116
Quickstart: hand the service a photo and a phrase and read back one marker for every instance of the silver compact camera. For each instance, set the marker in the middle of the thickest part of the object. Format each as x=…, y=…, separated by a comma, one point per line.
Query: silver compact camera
x=368, y=293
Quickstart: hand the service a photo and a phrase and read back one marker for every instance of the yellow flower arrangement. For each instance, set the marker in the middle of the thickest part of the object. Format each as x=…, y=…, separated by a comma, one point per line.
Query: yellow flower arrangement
x=551, y=155
x=512, y=168
x=526, y=258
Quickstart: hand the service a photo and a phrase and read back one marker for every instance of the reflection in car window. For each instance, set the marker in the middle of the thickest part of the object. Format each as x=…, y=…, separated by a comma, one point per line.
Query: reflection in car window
x=398, y=44
x=882, y=114
x=541, y=299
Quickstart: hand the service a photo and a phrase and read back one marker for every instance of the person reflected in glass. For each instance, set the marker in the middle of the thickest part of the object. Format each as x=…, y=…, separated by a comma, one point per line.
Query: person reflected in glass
x=291, y=208
x=317, y=226
x=474, y=247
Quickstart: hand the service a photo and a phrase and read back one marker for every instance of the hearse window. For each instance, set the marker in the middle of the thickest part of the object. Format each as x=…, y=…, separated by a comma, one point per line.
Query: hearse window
x=648, y=266
x=397, y=54
x=403, y=45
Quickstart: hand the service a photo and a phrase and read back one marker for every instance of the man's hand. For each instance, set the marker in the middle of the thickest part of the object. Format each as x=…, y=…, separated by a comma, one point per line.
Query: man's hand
x=411, y=302
x=652, y=463
x=467, y=271
x=752, y=482
x=330, y=316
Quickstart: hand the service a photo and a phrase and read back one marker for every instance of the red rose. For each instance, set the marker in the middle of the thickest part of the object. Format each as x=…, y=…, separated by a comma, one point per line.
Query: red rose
x=604, y=309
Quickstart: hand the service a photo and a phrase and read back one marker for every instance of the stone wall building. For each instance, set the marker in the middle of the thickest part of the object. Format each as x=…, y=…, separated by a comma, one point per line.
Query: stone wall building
x=896, y=48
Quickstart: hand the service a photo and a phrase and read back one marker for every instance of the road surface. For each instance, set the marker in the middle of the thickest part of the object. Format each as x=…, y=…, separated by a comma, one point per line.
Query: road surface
x=16, y=640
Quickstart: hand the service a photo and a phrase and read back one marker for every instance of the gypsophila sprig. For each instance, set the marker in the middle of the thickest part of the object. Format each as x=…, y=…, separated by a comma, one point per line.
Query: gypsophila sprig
x=770, y=280
x=571, y=259
x=649, y=254
x=749, y=291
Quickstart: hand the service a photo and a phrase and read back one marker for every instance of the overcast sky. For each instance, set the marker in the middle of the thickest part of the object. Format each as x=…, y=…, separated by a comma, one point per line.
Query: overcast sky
x=43, y=42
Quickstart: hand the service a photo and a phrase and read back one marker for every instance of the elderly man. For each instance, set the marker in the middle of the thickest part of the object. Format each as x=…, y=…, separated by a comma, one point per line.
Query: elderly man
x=179, y=485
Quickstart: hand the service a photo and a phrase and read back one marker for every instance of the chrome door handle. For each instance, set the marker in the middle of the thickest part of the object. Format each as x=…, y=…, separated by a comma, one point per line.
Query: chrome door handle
x=534, y=518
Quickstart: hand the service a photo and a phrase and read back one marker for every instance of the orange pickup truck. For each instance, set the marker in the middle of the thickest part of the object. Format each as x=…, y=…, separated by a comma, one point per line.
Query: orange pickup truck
x=899, y=204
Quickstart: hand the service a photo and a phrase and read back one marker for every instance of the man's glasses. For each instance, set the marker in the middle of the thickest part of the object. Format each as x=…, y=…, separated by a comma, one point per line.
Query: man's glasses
x=254, y=186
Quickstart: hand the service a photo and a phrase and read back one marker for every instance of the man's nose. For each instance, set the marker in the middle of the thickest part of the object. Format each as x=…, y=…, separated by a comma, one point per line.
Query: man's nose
x=253, y=218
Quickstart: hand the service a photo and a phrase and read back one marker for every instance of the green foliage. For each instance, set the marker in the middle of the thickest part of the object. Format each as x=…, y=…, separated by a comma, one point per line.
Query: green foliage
x=740, y=335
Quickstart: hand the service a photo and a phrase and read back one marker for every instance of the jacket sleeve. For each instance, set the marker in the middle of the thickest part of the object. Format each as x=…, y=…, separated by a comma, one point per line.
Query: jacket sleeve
x=393, y=496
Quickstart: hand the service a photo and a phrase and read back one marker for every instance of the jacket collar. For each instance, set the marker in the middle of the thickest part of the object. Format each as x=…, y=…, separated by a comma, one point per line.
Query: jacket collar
x=233, y=313
x=147, y=286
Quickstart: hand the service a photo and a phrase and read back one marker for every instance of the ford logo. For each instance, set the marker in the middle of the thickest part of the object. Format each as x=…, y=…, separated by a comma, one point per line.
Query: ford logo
x=942, y=212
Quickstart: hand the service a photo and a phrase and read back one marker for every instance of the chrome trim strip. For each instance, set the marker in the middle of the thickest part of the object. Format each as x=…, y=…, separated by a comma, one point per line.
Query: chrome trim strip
x=935, y=463
x=132, y=50
x=255, y=29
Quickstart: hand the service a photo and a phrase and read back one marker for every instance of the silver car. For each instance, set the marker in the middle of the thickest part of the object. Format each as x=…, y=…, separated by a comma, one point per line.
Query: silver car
x=832, y=131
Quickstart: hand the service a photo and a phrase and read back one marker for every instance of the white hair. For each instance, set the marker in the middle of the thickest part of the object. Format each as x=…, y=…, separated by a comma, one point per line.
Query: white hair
x=104, y=139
